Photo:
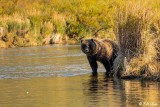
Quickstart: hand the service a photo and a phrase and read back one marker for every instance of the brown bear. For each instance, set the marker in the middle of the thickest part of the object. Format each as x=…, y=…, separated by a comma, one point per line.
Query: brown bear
x=104, y=51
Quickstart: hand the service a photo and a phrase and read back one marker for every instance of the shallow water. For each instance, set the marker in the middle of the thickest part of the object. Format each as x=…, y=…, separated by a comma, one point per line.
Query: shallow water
x=60, y=76
x=57, y=60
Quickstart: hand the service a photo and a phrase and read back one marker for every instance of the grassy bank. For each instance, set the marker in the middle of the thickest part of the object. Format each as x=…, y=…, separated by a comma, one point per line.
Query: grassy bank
x=29, y=23
x=137, y=30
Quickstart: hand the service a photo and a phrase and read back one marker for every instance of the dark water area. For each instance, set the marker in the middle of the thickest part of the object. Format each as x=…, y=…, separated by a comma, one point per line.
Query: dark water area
x=60, y=76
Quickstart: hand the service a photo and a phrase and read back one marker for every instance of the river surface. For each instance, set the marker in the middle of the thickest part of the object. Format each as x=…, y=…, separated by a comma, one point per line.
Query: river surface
x=60, y=76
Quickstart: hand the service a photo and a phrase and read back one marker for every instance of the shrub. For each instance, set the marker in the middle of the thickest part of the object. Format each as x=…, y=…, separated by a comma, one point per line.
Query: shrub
x=137, y=43
x=74, y=30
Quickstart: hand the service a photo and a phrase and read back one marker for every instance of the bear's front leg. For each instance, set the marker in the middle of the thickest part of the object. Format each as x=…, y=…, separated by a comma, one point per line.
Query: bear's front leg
x=107, y=66
x=93, y=65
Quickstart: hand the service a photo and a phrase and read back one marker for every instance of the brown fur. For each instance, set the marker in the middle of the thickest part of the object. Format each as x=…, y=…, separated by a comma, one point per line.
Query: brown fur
x=104, y=51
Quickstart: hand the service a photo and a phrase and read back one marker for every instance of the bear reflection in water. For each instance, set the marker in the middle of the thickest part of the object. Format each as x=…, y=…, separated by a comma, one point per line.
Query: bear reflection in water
x=101, y=90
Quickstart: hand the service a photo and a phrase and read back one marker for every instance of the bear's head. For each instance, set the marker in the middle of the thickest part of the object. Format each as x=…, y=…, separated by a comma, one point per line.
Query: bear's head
x=88, y=46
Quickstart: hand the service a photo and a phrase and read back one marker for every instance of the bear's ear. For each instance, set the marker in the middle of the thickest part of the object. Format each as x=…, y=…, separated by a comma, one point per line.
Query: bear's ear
x=92, y=40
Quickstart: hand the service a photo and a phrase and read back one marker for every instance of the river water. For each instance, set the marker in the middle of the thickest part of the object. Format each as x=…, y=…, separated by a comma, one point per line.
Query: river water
x=60, y=76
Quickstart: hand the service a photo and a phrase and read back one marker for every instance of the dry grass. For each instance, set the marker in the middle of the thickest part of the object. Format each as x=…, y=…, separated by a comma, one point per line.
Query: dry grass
x=138, y=38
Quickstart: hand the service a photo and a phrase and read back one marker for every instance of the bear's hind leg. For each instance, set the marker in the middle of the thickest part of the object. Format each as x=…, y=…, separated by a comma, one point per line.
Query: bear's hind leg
x=111, y=63
x=107, y=66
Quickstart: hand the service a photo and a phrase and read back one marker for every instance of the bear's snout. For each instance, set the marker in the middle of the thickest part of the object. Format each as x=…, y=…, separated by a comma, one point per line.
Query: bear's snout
x=87, y=50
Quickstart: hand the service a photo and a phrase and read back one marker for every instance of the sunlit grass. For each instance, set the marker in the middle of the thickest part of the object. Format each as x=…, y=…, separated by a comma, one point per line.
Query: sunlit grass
x=137, y=30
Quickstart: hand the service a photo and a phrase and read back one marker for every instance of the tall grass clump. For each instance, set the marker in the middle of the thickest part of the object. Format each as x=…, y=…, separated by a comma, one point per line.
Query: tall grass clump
x=138, y=39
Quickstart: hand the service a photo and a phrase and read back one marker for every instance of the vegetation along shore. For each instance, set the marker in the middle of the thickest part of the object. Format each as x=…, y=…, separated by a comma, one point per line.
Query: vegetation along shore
x=134, y=24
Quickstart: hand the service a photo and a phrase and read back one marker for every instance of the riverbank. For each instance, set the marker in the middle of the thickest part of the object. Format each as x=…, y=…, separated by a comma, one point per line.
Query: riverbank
x=29, y=42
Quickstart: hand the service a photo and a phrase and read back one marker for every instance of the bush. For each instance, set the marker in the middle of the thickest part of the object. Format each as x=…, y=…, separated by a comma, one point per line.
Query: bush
x=137, y=43
x=74, y=30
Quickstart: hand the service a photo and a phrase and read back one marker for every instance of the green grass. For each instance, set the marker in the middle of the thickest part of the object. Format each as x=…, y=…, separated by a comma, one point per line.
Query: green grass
x=76, y=19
